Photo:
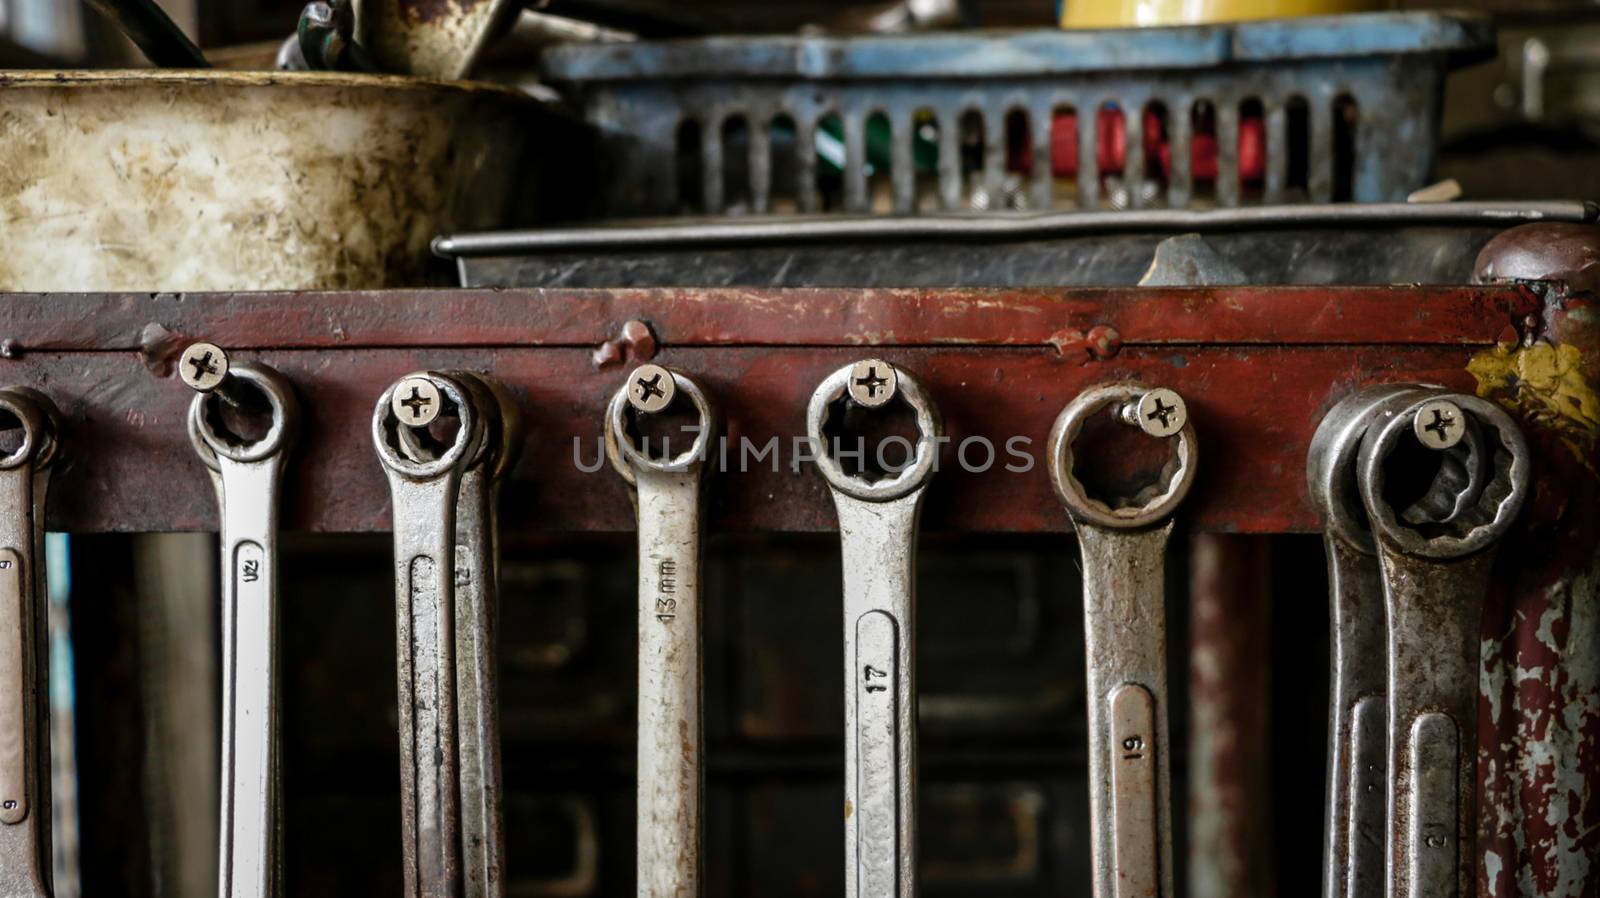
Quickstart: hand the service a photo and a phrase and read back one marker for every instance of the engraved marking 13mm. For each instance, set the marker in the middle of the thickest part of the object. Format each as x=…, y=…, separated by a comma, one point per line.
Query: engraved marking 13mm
x=1123, y=542
x=247, y=471
x=24, y=762
x=1435, y=577
x=669, y=499
x=878, y=541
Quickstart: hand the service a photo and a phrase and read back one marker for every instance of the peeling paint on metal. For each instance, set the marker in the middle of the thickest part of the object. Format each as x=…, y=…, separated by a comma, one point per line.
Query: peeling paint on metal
x=1544, y=383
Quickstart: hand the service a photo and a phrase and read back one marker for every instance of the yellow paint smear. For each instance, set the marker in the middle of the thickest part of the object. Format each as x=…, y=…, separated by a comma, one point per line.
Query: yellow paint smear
x=1544, y=385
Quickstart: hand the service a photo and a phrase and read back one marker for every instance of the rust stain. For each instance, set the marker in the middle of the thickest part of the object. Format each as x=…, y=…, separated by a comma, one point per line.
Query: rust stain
x=848, y=809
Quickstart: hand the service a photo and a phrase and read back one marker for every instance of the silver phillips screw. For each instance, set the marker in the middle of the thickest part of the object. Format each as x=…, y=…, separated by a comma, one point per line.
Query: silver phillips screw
x=1159, y=412
x=873, y=383
x=25, y=849
x=668, y=504
x=247, y=477
x=651, y=389
x=203, y=366
x=878, y=546
x=416, y=401
x=1123, y=544
x=1438, y=424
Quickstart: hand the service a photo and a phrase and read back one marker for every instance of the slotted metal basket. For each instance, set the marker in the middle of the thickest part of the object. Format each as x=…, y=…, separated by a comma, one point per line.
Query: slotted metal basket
x=1306, y=110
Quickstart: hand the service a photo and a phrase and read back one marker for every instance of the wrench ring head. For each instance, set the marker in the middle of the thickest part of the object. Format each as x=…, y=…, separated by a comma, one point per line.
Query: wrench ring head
x=925, y=453
x=1076, y=498
x=626, y=457
x=50, y=417
x=1497, y=506
x=1331, y=463
x=31, y=421
x=461, y=450
x=280, y=400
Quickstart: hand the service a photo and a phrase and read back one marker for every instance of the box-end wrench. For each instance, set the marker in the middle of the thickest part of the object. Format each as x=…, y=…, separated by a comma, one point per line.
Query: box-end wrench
x=668, y=494
x=477, y=561
x=1435, y=577
x=425, y=466
x=878, y=537
x=1353, y=838
x=246, y=472
x=1123, y=543
x=24, y=762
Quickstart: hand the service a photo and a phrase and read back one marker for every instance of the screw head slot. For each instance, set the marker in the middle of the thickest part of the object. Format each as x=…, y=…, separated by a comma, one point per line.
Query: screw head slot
x=873, y=383
x=203, y=366
x=1439, y=424
x=651, y=389
x=416, y=402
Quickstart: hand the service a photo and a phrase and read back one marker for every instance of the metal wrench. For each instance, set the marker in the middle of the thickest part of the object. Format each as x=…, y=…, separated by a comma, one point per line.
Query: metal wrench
x=25, y=863
x=425, y=478
x=247, y=474
x=878, y=536
x=1124, y=550
x=477, y=556
x=668, y=499
x=1435, y=577
x=1353, y=844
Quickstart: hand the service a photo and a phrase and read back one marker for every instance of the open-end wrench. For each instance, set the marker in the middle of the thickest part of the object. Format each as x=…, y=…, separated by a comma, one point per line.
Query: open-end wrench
x=878, y=536
x=425, y=471
x=247, y=475
x=477, y=556
x=24, y=763
x=1123, y=543
x=1435, y=577
x=1353, y=839
x=668, y=497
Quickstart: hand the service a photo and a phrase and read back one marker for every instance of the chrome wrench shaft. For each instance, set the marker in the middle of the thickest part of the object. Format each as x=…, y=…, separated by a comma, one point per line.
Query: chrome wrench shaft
x=1435, y=578
x=1123, y=547
x=878, y=530
x=24, y=771
x=424, y=485
x=668, y=499
x=477, y=694
x=247, y=475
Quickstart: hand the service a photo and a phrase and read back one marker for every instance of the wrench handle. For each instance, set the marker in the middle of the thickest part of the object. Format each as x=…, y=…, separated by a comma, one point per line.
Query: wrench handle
x=1435, y=610
x=671, y=779
x=477, y=708
x=247, y=495
x=878, y=549
x=1357, y=747
x=24, y=837
x=1129, y=749
x=424, y=551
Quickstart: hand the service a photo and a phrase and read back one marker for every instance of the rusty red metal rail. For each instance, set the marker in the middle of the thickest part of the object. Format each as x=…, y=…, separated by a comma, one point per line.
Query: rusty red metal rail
x=1258, y=367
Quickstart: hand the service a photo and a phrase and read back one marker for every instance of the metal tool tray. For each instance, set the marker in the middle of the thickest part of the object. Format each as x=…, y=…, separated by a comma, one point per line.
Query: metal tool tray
x=1354, y=99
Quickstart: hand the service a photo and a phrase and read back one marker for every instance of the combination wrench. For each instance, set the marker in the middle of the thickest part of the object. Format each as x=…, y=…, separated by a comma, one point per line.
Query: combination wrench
x=25, y=862
x=668, y=496
x=246, y=473
x=1123, y=543
x=878, y=537
x=442, y=485
x=1435, y=578
x=1356, y=809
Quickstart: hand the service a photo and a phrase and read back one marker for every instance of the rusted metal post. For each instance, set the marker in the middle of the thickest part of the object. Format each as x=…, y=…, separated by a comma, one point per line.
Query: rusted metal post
x=1539, y=712
x=1230, y=765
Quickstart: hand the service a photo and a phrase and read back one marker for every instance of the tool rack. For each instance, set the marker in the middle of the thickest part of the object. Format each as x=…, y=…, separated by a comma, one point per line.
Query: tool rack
x=1258, y=366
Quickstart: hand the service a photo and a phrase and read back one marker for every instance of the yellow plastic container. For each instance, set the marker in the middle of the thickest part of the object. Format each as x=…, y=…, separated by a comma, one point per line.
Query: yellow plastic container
x=1146, y=13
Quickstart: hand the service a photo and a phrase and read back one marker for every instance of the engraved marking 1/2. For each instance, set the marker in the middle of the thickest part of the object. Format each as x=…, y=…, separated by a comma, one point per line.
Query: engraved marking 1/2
x=877, y=701
x=666, y=590
x=1431, y=841
x=249, y=560
x=14, y=674
x=1133, y=791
